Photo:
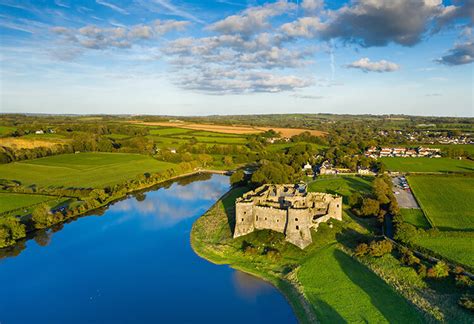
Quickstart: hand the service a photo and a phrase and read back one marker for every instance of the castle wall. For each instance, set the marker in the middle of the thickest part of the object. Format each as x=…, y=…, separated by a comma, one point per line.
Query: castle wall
x=270, y=218
x=244, y=219
x=298, y=228
x=335, y=208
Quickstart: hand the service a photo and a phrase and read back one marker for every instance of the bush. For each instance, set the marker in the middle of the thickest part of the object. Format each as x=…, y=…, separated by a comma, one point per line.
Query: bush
x=464, y=281
x=361, y=249
x=378, y=249
x=370, y=207
x=467, y=302
x=249, y=248
x=237, y=178
x=42, y=216
x=439, y=270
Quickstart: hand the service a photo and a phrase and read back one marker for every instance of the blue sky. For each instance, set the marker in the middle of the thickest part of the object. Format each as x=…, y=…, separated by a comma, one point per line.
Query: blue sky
x=237, y=57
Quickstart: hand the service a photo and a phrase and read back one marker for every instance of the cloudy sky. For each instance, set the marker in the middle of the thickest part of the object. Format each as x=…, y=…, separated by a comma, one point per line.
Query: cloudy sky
x=204, y=57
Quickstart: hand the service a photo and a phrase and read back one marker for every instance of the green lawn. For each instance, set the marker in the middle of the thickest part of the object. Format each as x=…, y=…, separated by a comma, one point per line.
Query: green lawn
x=342, y=185
x=455, y=246
x=84, y=170
x=427, y=165
x=343, y=290
x=414, y=217
x=446, y=200
x=10, y=201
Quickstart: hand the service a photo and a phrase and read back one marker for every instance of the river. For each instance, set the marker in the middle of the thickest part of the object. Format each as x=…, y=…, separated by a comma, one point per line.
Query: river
x=134, y=264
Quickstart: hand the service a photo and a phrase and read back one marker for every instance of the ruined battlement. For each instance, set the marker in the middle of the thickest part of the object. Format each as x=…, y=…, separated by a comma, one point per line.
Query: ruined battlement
x=285, y=209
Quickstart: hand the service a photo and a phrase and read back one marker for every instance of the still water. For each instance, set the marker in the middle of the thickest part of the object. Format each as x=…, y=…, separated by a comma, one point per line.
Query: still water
x=134, y=264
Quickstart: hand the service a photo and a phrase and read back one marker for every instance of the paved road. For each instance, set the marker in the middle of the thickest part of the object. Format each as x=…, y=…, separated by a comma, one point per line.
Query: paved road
x=404, y=197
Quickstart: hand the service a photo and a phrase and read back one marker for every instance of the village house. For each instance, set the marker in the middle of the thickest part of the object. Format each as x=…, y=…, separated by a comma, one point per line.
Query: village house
x=365, y=171
x=326, y=168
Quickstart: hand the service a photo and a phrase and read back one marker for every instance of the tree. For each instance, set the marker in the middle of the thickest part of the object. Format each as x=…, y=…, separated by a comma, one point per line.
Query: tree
x=355, y=199
x=10, y=230
x=361, y=249
x=237, y=177
x=380, y=248
x=42, y=216
x=370, y=207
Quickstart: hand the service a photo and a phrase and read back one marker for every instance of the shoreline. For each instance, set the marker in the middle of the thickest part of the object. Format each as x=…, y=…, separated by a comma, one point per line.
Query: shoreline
x=30, y=233
x=302, y=309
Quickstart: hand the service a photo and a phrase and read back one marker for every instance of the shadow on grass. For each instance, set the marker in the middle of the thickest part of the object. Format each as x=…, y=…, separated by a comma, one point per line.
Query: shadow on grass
x=393, y=307
x=228, y=203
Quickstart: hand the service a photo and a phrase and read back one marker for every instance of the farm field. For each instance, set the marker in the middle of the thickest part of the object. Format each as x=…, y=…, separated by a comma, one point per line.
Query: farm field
x=28, y=143
x=414, y=217
x=400, y=164
x=168, y=131
x=465, y=147
x=10, y=201
x=446, y=200
x=343, y=290
x=454, y=246
x=342, y=185
x=5, y=130
x=84, y=170
x=231, y=129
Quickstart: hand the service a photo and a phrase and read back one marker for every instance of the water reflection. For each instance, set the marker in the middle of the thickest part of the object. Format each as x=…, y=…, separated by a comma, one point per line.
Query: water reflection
x=250, y=287
x=133, y=264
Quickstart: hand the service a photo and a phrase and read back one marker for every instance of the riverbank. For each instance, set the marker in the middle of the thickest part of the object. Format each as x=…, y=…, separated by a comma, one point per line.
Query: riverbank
x=68, y=213
x=323, y=283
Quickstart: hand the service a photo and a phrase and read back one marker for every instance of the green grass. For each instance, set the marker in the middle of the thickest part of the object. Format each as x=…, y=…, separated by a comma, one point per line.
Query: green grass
x=169, y=131
x=446, y=200
x=278, y=147
x=11, y=201
x=342, y=185
x=414, y=217
x=343, y=290
x=213, y=134
x=84, y=170
x=5, y=130
x=465, y=147
x=455, y=246
x=427, y=165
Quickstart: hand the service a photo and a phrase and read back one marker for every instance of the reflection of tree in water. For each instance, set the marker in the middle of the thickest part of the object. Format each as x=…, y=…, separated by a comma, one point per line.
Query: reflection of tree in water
x=197, y=177
x=43, y=237
x=13, y=251
x=140, y=196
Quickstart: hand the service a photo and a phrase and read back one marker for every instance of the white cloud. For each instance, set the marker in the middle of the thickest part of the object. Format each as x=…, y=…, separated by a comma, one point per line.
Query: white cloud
x=251, y=20
x=366, y=65
x=460, y=54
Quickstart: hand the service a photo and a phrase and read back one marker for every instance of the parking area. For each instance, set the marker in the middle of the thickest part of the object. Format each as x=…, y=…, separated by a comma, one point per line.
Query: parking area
x=403, y=193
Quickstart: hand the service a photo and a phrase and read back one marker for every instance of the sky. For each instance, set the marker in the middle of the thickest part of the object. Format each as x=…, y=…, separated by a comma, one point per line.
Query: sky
x=203, y=57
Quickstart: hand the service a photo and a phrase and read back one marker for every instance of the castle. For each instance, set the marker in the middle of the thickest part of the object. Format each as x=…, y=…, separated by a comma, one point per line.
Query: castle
x=286, y=209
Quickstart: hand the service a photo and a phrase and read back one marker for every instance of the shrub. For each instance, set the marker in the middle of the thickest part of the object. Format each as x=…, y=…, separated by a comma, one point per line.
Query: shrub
x=378, y=249
x=370, y=207
x=464, y=281
x=467, y=302
x=361, y=249
x=439, y=270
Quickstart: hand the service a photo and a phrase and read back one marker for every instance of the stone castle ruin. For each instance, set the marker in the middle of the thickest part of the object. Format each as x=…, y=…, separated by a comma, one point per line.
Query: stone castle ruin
x=285, y=209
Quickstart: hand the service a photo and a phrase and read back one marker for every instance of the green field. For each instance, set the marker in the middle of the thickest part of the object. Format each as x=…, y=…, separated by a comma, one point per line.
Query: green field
x=341, y=185
x=455, y=246
x=216, y=139
x=169, y=131
x=11, y=201
x=343, y=290
x=465, y=147
x=414, y=217
x=84, y=170
x=446, y=200
x=5, y=130
x=400, y=164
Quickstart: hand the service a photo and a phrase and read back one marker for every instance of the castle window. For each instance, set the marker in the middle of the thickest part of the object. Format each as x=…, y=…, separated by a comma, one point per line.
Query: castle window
x=337, y=205
x=242, y=219
x=296, y=219
x=256, y=218
x=297, y=227
x=278, y=220
x=265, y=218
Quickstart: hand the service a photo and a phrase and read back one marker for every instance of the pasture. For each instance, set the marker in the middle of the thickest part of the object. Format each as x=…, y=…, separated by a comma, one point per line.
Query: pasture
x=28, y=143
x=5, y=130
x=401, y=164
x=454, y=246
x=414, y=217
x=168, y=131
x=343, y=290
x=342, y=185
x=84, y=170
x=11, y=201
x=446, y=200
